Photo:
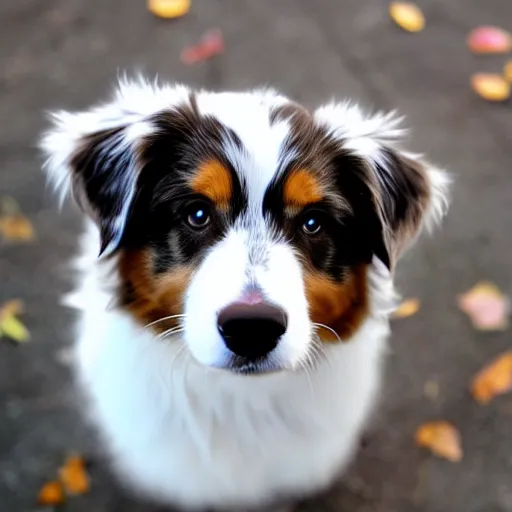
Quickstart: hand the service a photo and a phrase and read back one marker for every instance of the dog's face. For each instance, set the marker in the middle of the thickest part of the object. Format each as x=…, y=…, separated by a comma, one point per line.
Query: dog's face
x=243, y=221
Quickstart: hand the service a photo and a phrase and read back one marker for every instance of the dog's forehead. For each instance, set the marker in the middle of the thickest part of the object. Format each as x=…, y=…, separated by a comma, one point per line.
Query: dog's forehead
x=249, y=116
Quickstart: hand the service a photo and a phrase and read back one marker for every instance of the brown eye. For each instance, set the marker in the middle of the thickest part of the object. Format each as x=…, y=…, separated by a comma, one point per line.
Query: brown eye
x=198, y=216
x=312, y=225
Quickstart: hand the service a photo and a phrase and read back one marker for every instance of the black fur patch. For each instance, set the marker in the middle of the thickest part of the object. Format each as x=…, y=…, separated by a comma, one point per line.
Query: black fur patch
x=349, y=236
x=182, y=141
x=139, y=195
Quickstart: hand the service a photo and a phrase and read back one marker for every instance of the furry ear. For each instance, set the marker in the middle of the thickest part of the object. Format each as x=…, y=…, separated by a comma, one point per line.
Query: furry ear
x=95, y=154
x=407, y=192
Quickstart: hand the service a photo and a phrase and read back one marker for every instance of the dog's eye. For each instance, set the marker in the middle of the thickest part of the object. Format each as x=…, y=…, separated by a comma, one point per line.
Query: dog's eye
x=198, y=215
x=312, y=225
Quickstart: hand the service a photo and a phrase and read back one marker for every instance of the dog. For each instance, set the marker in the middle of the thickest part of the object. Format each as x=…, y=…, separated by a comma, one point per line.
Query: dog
x=233, y=330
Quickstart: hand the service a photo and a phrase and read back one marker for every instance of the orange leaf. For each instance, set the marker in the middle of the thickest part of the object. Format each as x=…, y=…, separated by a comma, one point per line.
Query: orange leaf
x=441, y=438
x=507, y=71
x=12, y=307
x=16, y=228
x=407, y=16
x=74, y=476
x=408, y=307
x=494, y=379
x=51, y=494
x=486, y=306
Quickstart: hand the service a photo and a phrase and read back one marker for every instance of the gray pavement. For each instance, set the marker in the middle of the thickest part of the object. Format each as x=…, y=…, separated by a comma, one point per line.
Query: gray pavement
x=67, y=53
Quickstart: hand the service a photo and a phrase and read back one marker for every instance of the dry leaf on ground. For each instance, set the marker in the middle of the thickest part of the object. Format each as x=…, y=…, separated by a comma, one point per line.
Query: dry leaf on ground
x=407, y=16
x=407, y=308
x=489, y=39
x=10, y=326
x=210, y=45
x=441, y=438
x=169, y=8
x=494, y=379
x=490, y=86
x=431, y=389
x=486, y=306
x=74, y=476
x=51, y=494
x=507, y=71
x=14, y=226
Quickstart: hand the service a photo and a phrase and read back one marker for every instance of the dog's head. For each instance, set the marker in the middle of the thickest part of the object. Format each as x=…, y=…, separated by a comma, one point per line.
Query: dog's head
x=243, y=220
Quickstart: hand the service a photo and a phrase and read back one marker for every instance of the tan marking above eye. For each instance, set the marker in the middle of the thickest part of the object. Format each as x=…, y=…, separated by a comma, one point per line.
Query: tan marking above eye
x=301, y=188
x=340, y=306
x=213, y=180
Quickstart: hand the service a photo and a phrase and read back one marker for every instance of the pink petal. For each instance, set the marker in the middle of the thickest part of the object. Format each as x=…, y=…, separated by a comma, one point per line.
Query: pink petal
x=488, y=39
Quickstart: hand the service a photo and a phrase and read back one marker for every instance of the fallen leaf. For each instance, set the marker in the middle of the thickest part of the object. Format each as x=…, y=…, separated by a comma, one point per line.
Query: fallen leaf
x=12, y=308
x=74, y=476
x=488, y=39
x=507, y=71
x=16, y=228
x=441, y=438
x=431, y=389
x=51, y=494
x=210, y=45
x=486, y=306
x=169, y=8
x=490, y=86
x=13, y=225
x=407, y=308
x=494, y=379
x=10, y=326
x=407, y=16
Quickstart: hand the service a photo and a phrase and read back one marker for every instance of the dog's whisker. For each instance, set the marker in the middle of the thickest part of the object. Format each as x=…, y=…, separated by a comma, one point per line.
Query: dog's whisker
x=176, y=357
x=163, y=319
x=330, y=329
x=170, y=332
x=317, y=353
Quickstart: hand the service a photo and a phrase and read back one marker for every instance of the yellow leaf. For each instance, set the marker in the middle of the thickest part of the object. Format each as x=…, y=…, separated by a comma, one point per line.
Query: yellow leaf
x=11, y=327
x=74, y=476
x=16, y=228
x=490, y=86
x=494, y=379
x=408, y=307
x=407, y=16
x=441, y=438
x=169, y=8
x=51, y=494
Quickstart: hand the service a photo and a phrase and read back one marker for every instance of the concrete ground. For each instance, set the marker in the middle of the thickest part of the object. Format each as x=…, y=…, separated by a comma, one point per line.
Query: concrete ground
x=67, y=53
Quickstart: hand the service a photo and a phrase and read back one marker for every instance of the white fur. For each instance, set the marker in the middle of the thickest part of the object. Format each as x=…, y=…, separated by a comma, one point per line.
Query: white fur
x=181, y=430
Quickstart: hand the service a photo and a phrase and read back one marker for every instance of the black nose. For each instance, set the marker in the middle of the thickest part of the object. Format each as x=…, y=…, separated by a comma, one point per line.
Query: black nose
x=251, y=330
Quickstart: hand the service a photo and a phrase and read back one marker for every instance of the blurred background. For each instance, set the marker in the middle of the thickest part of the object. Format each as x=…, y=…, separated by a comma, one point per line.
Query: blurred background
x=68, y=54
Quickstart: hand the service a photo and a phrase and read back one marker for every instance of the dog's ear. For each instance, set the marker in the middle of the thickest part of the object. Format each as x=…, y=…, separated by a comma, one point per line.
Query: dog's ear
x=406, y=192
x=95, y=155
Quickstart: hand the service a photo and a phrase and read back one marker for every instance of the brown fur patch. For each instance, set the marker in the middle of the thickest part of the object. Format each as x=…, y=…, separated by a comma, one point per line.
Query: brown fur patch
x=341, y=306
x=149, y=297
x=213, y=180
x=301, y=188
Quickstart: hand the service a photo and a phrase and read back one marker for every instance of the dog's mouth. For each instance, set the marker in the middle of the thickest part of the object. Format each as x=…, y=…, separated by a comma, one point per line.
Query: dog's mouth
x=243, y=366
